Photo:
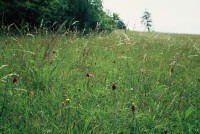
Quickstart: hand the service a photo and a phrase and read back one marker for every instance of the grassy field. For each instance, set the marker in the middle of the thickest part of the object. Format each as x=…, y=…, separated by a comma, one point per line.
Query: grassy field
x=106, y=83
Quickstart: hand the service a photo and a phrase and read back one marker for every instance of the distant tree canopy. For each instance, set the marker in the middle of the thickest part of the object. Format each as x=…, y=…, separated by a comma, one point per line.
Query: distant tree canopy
x=147, y=21
x=120, y=24
x=32, y=12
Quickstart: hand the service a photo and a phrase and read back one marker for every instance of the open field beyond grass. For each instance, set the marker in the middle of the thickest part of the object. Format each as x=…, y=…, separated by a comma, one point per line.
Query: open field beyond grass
x=107, y=83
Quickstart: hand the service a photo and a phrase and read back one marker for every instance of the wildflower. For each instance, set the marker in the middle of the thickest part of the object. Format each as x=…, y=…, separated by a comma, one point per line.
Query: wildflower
x=67, y=103
x=113, y=87
x=133, y=108
x=14, y=79
x=67, y=100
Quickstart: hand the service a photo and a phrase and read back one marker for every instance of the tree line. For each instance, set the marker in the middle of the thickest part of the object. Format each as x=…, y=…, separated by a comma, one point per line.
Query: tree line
x=86, y=13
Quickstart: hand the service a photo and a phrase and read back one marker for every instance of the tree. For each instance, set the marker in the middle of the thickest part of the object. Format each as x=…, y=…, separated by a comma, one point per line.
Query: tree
x=119, y=23
x=147, y=21
x=89, y=13
x=31, y=13
x=116, y=16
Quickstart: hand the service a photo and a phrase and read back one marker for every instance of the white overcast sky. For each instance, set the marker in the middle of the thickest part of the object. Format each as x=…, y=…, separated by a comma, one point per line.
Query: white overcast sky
x=173, y=16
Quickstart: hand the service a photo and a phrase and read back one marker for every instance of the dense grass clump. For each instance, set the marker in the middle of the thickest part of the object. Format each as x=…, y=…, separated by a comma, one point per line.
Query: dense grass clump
x=116, y=83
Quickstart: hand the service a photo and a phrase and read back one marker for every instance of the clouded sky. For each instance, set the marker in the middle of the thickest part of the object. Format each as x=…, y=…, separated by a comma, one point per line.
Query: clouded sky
x=176, y=16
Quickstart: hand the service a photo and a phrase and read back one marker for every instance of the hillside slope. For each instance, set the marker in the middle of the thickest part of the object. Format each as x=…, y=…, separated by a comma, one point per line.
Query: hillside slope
x=105, y=83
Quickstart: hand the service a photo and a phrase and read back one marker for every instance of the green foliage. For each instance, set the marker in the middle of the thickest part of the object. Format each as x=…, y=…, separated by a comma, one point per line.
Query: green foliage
x=116, y=16
x=32, y=13
x=119, y=23
x=147, y=21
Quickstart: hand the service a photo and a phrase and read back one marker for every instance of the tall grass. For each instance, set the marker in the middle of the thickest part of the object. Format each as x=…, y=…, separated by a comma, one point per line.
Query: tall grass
x=156, y=77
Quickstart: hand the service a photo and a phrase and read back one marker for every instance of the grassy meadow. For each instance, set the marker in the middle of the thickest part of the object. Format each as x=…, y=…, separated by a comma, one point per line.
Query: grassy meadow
x=113, y=83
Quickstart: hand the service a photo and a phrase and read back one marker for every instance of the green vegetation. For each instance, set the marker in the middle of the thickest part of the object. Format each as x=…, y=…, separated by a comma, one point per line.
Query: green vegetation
x=147, y=21
x=105, y=83
x=85, y=14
